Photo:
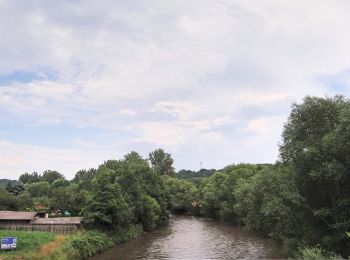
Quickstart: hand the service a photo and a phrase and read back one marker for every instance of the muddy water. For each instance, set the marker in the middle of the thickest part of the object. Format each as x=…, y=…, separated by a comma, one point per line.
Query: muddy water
x=192, y=238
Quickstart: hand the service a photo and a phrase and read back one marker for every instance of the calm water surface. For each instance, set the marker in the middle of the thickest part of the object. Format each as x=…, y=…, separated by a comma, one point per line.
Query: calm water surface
x=192, y=238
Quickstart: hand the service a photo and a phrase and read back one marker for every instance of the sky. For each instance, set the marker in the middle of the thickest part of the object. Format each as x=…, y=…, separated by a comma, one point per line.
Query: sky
x=209, y=81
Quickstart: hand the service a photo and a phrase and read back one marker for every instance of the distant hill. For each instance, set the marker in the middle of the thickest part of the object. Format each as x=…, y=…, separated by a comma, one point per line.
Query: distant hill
x=188, y=174
x=3, y=183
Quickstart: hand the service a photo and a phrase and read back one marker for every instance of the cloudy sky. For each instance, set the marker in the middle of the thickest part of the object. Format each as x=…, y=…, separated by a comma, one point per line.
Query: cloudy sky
x=209, y=81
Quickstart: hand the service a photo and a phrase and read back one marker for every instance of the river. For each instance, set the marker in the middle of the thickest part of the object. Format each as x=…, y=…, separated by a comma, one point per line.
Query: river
x=187, y=237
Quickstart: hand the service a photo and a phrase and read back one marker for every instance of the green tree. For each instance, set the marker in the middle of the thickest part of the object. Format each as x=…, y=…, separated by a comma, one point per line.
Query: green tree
x=24, y=201
x=29, y=177
x=50, y=176
x=316, y=144
x=68, y=198
x=151, y=212
x=106, y=207
x=182, y=194
x=15, y=187
x=59, y=183
x=84, y=175
x=7, y=200
x=38, y=189
x=161, y=162
x=211, y=196
x=137, y=180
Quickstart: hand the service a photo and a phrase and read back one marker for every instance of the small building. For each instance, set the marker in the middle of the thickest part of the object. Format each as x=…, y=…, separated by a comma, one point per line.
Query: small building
x=16, y=217
x=21, y=220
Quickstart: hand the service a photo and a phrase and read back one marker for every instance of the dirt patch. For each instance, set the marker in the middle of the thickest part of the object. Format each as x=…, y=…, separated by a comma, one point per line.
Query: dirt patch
x=46, y=249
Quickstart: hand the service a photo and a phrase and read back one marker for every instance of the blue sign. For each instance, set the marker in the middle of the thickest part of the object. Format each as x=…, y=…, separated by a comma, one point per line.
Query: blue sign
x=8, y=243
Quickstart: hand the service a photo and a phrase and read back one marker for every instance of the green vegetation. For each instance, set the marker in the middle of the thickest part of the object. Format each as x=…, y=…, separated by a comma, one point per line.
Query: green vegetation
x=302, y=202
x=88, y=243
x=316, y=253
x=181, y=195
x=3, y=182
x=161, y=162
x=28, y=243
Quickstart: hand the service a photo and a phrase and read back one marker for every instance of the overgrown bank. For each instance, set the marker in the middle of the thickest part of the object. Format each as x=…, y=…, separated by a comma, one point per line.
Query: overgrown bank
x=302, y=202
x=87, y=243
x=43, y=245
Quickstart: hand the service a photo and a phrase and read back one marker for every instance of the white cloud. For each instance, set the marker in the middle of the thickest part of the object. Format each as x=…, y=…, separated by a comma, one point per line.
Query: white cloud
x=20, y=158
x=128, y=112
x=181, y=110
x=174, y=73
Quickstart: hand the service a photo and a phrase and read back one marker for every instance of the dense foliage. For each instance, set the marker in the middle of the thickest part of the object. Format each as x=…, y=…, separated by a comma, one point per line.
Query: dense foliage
x=316, y=143
x=305, y=199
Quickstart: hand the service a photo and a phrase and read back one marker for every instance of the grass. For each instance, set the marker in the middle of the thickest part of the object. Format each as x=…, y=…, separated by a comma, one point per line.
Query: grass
x=48, y=246
x=28, y=243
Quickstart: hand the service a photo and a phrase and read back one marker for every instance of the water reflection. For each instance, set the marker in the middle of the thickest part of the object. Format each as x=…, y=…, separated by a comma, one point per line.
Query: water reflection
x=191, y=238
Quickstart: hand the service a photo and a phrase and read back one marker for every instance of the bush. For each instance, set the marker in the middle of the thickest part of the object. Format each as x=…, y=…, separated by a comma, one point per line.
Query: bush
x=85, y=244
x=316, y=253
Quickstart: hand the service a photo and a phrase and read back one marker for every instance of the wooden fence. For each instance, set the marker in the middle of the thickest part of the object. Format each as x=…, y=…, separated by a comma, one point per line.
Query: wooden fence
x=54, y=228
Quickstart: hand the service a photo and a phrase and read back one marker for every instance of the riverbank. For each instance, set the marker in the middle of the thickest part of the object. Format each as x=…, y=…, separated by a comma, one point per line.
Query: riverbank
x=48, y=246
x=87, y=243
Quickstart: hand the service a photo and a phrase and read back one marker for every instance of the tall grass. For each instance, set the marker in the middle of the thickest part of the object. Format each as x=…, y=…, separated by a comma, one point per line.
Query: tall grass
x=86, y=243
x=77, y=246
x=27, y=242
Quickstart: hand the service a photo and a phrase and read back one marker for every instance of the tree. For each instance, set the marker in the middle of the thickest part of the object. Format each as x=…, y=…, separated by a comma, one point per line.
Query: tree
x=268, y=202
x=24, y=201
x=106, y=207
x=50, y=176
x=29, y=178
x=316, y=143
x=7, y=200
x=151, y=212
x=84, y=179
x=161, y=162
x=38, y=189
x=182, y=194
x=15, y=187
x=58, y=183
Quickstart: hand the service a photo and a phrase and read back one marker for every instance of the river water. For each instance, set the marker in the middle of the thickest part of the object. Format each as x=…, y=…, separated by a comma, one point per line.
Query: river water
x=187, y=237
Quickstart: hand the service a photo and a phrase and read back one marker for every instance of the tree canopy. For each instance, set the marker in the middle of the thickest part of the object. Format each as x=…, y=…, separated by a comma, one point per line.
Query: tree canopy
x=161, y=162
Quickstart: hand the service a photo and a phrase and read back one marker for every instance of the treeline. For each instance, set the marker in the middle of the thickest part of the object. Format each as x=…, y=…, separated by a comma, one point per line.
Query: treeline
x=117, y=194
x=194, y=176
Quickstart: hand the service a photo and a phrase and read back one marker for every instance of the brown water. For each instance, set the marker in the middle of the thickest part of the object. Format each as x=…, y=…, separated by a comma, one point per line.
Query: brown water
x=192, y=238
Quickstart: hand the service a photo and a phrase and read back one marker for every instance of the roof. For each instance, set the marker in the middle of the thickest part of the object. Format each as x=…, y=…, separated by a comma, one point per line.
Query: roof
x=16, y=215
x=58, y=221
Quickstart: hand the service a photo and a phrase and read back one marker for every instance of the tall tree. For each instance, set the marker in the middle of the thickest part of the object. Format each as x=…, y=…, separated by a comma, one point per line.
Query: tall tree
x=106, y=207
x=50, y=176
x=161, y=162
x=15, y=187
x=29, y=177
x=316, y=142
